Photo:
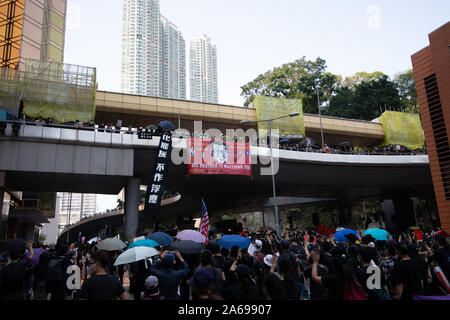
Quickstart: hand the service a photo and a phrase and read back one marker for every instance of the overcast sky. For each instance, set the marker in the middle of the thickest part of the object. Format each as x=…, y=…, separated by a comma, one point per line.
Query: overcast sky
x=254, y=36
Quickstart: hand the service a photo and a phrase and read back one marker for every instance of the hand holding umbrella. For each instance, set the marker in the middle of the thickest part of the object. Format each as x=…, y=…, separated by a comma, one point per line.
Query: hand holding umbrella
x=178, y=255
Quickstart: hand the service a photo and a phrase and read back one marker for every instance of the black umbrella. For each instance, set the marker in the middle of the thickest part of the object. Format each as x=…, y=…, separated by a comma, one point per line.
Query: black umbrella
x=167, y=125
x=16, y=245
x=187, y=246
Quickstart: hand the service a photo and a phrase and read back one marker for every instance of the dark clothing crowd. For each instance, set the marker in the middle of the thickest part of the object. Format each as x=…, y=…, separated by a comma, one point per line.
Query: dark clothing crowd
x=295, y=266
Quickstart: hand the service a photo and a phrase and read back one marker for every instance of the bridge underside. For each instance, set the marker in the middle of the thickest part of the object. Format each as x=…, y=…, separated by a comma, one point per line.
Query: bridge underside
x=225, y=194
x=242, y=193
x=237, y=194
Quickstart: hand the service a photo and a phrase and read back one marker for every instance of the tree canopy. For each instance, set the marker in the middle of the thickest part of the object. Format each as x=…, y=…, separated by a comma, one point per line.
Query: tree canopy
x=362, y=96
x=295, y=80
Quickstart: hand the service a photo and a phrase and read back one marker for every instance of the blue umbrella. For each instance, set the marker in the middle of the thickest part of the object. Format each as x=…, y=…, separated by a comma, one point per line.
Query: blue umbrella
x=162, y=238
x=378, y=234
x=227, y=241
x=340, y=235
x=144, y=243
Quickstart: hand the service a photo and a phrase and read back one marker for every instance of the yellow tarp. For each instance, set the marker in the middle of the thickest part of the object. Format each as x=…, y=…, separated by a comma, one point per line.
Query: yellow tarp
x=63, y=92
x=268, y=108
x=402, y=128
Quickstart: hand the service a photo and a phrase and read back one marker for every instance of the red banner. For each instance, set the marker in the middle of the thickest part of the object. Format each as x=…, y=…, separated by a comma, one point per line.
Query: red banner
x=206, y=156
x=325, y=231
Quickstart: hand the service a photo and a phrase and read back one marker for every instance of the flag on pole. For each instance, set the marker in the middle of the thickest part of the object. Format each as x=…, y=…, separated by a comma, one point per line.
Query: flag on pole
x=204, y=224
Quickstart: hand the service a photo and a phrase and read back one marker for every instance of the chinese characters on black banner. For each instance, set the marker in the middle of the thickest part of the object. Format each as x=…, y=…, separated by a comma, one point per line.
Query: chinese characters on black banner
x=155, y=186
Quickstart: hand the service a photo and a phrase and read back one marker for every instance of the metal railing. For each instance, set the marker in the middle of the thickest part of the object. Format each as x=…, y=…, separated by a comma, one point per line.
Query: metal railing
x=130, y=130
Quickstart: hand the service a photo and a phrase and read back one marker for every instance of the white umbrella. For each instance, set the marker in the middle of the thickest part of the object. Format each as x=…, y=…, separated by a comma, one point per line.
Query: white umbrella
x=136, y=254
x=111, y=244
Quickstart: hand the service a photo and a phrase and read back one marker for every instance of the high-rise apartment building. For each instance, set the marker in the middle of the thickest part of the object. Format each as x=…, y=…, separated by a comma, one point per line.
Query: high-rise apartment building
x=203, y=70
x=173, y=61
x=31, y=29
x=75, y=206
x=141, y=47
x=153, y=52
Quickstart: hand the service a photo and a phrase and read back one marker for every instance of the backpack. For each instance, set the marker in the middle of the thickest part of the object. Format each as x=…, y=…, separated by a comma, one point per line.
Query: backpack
x=55, y=273
x=355, y=293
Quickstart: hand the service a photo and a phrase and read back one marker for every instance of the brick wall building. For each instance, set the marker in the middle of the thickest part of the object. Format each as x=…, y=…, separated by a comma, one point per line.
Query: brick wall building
x=431, y=67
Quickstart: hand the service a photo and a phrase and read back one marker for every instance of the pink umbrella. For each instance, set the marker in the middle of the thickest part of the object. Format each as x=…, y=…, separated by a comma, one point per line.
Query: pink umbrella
x=191, y=235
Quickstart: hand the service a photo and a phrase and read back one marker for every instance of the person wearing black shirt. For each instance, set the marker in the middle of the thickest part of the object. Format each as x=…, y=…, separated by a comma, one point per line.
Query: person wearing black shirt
x=101, y=285
x=407, y=275
x=317, y=291
x=58, y=287
x=14, y=275
x=335, y=283
x=40, y=278
x=245, y=288
x=441, y=255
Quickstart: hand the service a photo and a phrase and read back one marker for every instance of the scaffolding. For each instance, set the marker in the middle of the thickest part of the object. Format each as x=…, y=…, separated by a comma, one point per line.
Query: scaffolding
x=63, y=92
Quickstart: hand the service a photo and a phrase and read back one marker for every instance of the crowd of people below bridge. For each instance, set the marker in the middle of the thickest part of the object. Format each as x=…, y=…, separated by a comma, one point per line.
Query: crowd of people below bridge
x=298, y=265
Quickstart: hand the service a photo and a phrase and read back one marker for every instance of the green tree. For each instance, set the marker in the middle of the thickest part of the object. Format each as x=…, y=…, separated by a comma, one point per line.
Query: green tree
x=295, y=80
x=355, y=80
x=406, y=86
x=366, y=101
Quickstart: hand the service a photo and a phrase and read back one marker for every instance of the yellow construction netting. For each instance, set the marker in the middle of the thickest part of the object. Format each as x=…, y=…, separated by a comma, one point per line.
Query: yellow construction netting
x=63, y=92
x=402, y=128
x=268, y=108
x=11, y=89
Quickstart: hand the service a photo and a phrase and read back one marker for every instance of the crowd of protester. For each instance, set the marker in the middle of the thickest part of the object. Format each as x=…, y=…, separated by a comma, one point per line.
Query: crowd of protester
x=302, y=145
x=297, y=266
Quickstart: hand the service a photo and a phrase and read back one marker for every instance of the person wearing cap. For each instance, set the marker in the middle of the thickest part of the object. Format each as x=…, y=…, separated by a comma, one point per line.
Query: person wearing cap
x=169, y=279
x=151, y=289
x=266, y=249
x=218, y=274
x=202, y=284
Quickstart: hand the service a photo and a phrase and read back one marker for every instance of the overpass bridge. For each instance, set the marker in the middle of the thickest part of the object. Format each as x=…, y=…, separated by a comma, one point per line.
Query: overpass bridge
x=68, y=159
x=140, y=111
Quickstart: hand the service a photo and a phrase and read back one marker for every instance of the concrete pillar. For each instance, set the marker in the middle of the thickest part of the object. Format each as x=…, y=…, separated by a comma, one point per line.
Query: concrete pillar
x=132, y=208
x=399, y=214
x=404, y=211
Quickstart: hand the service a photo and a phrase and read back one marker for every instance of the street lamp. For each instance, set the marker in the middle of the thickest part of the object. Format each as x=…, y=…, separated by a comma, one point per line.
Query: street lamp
x=320, y=115
x=269, y=124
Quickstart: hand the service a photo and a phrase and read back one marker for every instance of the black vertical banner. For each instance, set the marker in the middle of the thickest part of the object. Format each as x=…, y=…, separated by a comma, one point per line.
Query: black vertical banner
x=155, y=187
